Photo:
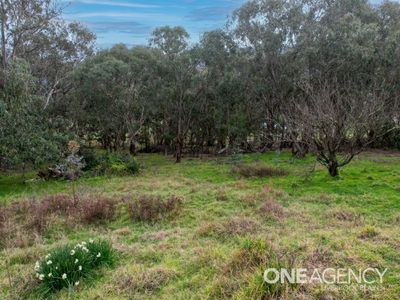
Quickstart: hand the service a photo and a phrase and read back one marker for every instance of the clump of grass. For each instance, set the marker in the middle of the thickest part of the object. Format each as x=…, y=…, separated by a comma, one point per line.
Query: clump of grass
x=150, y=208
x=22, y=220
x=149, y=281
x=250, y=199
x=345, y=216
x=221, y=196
x=231, y=227
x=65, y=267
x=271, y=208
x=368, y=232
x=242, y=276
x=257, y=171
x=97, y=211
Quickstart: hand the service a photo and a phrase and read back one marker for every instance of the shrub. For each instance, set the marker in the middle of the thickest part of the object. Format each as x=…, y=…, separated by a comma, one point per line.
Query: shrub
x=152, y=208
x=257, y=171
x=99, y=210
x=65, y=267
x=117, y=164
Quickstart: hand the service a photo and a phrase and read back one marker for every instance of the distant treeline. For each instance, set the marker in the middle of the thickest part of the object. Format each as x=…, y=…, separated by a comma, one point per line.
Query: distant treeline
x=320, y=76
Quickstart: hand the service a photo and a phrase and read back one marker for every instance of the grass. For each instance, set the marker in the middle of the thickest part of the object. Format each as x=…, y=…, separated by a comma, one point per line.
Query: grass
x=303, y=218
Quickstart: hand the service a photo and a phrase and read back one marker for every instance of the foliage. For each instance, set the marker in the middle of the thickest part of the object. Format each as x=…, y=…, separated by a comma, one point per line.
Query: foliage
x=110, y=163
x=66, y=267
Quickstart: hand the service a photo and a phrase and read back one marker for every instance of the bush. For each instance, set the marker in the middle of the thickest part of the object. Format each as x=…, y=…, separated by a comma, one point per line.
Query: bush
x=257, y=171
x=152, y=208
x=96, y=211
x=65, y=267
x=116, y=164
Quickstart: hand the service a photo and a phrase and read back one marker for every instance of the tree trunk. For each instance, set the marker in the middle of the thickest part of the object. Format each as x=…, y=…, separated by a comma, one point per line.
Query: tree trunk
x=132, y=147
x=333, y=169
x=3, y=36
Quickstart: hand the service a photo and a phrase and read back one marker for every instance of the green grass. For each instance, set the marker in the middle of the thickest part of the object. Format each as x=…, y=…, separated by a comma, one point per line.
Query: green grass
x=177, y=258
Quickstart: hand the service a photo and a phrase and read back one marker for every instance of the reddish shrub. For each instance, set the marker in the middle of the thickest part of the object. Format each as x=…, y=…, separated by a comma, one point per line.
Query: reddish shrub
x=152, y=208
x=97, y=211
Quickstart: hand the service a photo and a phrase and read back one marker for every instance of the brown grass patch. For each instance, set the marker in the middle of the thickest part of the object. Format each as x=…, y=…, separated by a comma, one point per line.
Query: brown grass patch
x=150, y=208
x=221, y=196
x=368, y=232
x=149, y=281
x=97, y=211
x=233, y=226
x=271, y=208
x=24, y=221
x=345, y=216
x=257, y=171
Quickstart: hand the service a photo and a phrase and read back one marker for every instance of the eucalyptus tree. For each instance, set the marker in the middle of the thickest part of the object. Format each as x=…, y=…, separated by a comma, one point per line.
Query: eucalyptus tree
x=182, y=81
x=35, y=31
x=27, y=137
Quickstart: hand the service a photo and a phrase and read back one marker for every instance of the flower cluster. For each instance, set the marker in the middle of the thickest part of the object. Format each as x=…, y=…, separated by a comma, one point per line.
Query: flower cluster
x=66, y=266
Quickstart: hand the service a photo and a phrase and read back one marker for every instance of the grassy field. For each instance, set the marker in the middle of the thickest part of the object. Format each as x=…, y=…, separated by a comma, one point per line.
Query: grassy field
x=227, y=230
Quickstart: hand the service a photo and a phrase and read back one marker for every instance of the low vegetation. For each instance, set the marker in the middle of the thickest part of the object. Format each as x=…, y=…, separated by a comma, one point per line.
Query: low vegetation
x=199, y=231
x=68, y=266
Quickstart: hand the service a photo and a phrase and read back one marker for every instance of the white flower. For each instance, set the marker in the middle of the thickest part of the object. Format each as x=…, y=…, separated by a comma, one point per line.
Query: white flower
x=84, y=243
x=41, y=277
x=80, y=268
x=37, y=275
x=56, y=268
x=50, y=275
x=64, y=276
x=37, y=266
x=98, y=254
x=91, y=241
x=76, y=261
x=72, y=252
x=49, y=262
x=77, y=283
x=85, y=249
x=47, y=256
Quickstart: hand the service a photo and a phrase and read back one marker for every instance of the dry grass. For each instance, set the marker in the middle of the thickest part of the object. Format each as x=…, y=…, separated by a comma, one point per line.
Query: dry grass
x=271, y=208
x=23, y=222
x=231, y=227
x=368, y=232
x=345, y=216
x=247, y=171
x=150, y=208
x=147, y=282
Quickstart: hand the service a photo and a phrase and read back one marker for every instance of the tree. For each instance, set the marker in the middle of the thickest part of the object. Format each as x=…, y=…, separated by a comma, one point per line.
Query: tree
x=26, y=135
x=182, y=86
x=338, y=121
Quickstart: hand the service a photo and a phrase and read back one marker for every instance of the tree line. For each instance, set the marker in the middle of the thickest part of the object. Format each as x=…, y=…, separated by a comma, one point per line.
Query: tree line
x=313, y=76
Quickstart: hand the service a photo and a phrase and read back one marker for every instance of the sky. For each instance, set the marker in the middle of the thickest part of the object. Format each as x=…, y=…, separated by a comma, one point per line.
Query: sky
x=132, y=21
